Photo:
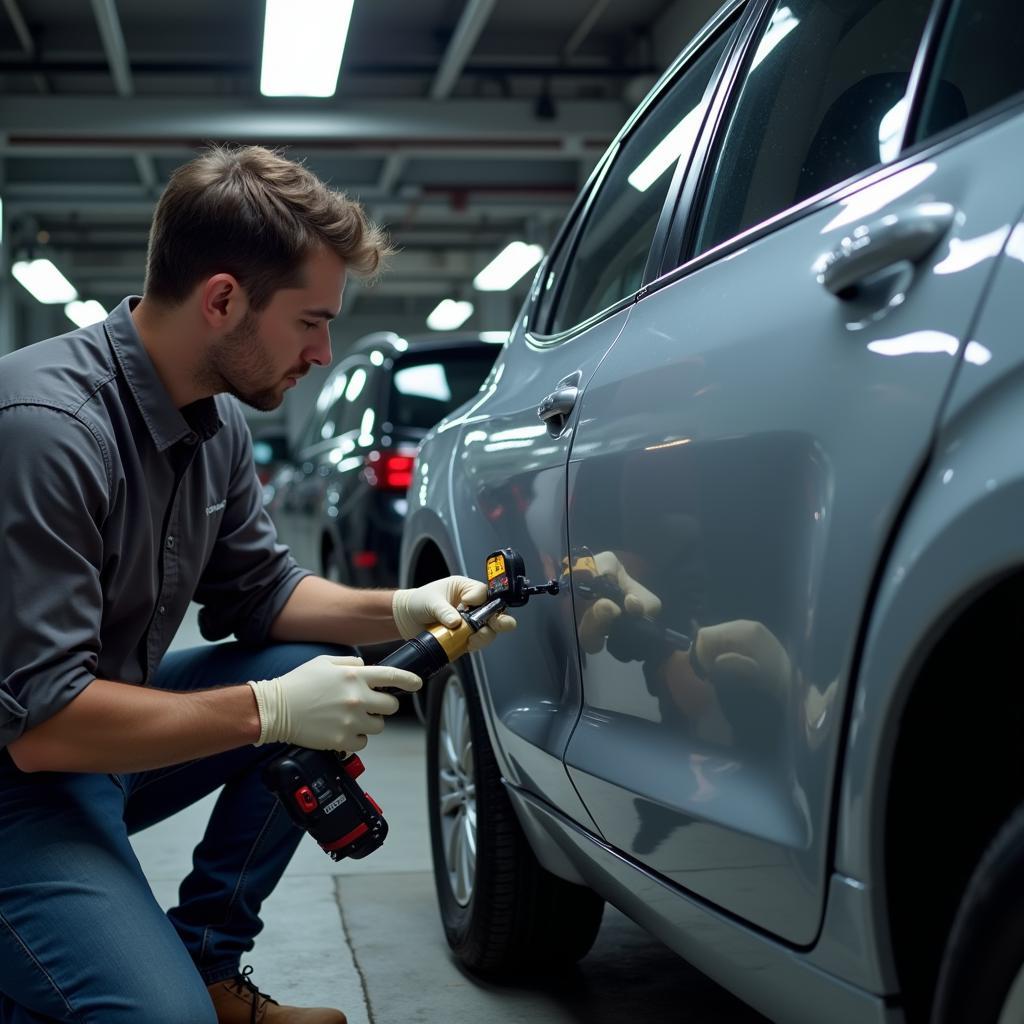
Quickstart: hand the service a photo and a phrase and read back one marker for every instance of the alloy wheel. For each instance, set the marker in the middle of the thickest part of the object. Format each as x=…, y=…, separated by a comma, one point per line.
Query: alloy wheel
x=457, y=791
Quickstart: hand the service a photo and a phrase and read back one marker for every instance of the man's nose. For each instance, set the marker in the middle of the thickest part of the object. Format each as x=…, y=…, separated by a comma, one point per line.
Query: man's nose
x=321, y=352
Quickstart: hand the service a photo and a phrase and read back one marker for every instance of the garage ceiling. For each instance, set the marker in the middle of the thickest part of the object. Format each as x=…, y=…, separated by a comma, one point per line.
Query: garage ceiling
x=462, y=124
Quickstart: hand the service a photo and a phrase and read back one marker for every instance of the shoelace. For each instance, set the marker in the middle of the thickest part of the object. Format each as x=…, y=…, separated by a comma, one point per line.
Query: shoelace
x=243, y=983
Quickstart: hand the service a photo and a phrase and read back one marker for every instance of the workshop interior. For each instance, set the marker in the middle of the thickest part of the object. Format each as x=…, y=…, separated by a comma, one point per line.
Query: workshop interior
x=510, y=510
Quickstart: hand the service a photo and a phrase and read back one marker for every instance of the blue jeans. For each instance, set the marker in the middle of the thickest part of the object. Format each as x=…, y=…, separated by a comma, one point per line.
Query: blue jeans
x=82, y=937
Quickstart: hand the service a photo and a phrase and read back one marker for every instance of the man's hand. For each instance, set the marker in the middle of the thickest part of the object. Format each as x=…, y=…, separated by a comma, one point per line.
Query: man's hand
x=415, y=610
x=329, y=703
x=636, y=600
x=744, y=651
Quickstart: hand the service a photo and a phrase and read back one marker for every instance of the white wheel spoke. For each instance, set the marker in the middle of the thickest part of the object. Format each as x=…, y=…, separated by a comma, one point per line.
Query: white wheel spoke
x=454, y=839
x=456, y=795
x=450, y=803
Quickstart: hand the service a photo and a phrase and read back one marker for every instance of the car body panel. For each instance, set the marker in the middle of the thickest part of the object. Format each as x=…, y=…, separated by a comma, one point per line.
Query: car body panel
x=961, y=535
x=515, y=497
x=759, y=858
x=749, y=964
x=753, y=468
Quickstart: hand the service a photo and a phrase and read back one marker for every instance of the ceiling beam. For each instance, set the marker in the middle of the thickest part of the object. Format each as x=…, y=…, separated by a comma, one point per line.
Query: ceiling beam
x=84, y=150
x=584, y=28
x=478, y=208
x=439, y=124
x=28, y=43
x=460, y=46
x=120, y=70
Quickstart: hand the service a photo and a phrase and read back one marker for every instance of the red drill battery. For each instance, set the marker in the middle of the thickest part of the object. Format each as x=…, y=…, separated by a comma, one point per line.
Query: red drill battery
x=319, y=791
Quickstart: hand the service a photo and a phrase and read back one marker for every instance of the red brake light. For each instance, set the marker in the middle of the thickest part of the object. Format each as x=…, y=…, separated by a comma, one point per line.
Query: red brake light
x=390, y=471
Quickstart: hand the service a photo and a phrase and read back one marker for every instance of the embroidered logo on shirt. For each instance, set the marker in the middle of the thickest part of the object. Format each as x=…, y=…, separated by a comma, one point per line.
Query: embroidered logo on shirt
x=210, y=509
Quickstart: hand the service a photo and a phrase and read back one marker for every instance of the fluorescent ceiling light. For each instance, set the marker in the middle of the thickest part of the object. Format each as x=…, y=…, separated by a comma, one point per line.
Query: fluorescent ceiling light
x=494, y=337
x=508, y=267
x=85, y=313
x=303, y=41
x=45, y=282
x=666, y=153
x=449, y=315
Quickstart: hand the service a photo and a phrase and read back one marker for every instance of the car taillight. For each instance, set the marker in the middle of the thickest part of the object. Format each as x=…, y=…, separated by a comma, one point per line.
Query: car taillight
x=390, y=471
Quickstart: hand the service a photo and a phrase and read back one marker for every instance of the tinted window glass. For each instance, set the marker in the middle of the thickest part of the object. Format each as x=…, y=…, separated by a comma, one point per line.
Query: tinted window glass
x=322, y=415
x=427, y=386
x=610, y=255
x=980, y=63
x=822, y=101
x=360, y=392
x=553, y=271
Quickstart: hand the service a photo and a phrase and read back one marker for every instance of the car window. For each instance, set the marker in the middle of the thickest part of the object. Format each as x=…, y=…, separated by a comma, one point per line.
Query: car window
x=822, y=100
x=553, y=271
x=349, y=412
x=610, y=254
x=979, y=63
x=426, y=387
x=321, y=423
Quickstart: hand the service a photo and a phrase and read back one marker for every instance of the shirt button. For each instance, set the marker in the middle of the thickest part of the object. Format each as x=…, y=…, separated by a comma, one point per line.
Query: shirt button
x=170, y=542
x=162, y=609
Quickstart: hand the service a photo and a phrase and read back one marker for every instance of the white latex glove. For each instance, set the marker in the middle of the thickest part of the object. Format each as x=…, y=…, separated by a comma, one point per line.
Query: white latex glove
x=415, y=610
x=329, y=703
x=637, y=600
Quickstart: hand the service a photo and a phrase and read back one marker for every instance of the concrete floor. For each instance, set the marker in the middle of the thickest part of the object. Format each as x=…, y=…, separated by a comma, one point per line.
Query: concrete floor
x=365, y=936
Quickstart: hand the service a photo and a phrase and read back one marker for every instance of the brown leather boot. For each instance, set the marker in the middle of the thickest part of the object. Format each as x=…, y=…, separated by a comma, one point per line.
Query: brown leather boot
x=239, y=1001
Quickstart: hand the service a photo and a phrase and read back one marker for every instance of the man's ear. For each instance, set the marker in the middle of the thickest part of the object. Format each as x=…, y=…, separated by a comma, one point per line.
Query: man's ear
x=223, y=302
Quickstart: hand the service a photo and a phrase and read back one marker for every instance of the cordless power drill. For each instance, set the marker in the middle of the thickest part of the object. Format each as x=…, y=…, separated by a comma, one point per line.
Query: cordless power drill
x=318, y=788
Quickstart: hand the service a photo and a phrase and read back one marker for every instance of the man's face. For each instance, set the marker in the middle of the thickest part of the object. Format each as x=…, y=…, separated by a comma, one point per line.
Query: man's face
x=269, y=351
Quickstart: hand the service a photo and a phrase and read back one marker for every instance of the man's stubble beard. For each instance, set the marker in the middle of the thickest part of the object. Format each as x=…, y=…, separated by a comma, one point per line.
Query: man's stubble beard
x=237, y=361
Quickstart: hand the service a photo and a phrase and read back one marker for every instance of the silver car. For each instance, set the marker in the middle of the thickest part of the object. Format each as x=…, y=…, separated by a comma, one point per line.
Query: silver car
x=763, y=417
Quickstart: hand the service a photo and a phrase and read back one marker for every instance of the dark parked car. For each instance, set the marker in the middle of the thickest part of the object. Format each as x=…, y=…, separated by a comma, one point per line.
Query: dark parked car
x=339, y=502
x=269, y=451
x=762, y=414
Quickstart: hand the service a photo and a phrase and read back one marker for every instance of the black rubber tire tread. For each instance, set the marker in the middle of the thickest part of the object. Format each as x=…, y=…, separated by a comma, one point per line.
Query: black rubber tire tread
x=985, y=950
x=333, y=557
x=521, y=918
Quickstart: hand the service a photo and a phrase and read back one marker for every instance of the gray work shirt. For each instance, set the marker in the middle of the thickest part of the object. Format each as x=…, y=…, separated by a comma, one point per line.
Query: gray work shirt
x=116, y=510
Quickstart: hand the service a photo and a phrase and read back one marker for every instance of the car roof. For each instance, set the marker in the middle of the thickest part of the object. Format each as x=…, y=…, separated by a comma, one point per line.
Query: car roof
x=391, y=344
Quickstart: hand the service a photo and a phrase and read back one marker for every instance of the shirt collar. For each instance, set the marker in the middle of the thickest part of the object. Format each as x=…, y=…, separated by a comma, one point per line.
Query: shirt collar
x=166, y=423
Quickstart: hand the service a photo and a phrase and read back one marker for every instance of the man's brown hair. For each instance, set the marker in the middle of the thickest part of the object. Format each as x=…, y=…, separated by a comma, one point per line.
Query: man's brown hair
x=251, y=212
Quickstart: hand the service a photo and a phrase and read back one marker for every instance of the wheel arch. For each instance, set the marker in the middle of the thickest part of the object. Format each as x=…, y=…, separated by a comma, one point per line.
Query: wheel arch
x=919, y=732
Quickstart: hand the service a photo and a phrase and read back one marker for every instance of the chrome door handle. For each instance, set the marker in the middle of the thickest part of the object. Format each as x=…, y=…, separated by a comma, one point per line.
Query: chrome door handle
x=907, y=236
x=554, y=409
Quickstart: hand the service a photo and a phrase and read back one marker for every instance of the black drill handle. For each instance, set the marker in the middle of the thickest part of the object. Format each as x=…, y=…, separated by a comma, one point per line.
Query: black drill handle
x=422, y=655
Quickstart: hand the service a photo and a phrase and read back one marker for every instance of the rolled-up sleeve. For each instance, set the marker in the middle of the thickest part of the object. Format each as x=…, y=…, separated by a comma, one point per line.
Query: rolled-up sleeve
x=56, y=494
x=249, y=576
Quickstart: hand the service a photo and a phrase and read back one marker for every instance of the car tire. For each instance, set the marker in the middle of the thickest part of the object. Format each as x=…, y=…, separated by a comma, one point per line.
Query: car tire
x=981, y=980
x=502, y=912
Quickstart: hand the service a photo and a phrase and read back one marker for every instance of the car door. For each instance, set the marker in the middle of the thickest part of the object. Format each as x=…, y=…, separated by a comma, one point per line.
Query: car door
x=509, y=490
x=744, y=449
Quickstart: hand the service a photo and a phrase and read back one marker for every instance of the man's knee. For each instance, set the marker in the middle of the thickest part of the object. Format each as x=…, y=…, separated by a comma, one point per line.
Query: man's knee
x=276, y=659
x=156, y=997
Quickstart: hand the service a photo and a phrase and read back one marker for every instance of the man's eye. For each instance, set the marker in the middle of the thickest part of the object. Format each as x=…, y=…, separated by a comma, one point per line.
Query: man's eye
x=310, y=324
